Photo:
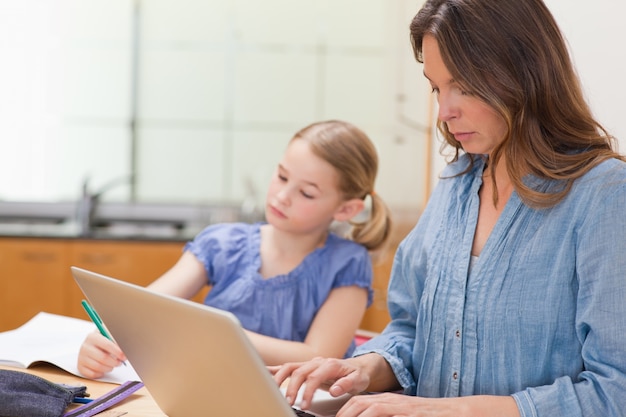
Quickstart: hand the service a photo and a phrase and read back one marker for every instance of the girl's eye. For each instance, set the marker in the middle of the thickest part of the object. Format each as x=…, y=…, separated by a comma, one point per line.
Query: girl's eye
x=305, y=195
x=434, y=90
x=282, y=178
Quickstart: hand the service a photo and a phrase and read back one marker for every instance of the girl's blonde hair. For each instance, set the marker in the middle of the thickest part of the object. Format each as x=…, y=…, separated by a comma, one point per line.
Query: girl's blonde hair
x=354, y=156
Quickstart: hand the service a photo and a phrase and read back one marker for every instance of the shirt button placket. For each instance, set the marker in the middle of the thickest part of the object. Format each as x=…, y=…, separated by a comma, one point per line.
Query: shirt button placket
x=455, y=374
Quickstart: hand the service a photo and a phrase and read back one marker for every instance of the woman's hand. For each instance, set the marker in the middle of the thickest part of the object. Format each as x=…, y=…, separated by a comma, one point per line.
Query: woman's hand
x=390, y=404
x=339, y=375
x=98, y=356
x=371, y=372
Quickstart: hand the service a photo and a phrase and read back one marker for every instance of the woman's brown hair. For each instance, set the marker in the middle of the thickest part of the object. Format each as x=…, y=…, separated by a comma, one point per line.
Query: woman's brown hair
x=512, y=55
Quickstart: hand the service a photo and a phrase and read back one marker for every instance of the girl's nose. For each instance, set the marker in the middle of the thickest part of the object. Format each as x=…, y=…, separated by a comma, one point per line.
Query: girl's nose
x=283, y=195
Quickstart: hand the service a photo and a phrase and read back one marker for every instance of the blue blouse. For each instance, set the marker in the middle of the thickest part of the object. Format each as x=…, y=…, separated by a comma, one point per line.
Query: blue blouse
x=283, y=306
x=540, y=316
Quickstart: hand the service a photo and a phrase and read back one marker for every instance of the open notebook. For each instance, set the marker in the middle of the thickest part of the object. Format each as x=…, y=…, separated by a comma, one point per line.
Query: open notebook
x=193, y=359
x=54, y=339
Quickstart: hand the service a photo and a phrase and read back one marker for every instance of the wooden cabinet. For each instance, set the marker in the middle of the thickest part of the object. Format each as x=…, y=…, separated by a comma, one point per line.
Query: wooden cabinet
x=131, y=261
x=33, y=277
x=377, y=315
x=35, y=273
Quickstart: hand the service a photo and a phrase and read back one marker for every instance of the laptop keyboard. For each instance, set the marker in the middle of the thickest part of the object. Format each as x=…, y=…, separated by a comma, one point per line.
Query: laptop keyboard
x=301, y=413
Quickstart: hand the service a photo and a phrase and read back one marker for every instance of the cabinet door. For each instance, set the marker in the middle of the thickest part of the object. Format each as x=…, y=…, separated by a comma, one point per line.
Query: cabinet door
x=138, y=262
x=33, y=278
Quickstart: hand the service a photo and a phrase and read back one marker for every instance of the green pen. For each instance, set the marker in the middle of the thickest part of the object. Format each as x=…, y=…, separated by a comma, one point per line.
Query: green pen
x=97, y=321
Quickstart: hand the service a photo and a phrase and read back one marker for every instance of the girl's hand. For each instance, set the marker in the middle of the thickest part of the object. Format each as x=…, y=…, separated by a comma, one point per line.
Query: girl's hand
x=98, y=356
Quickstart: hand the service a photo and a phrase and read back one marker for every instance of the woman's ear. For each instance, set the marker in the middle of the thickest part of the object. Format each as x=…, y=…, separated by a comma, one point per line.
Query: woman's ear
x=349, y=209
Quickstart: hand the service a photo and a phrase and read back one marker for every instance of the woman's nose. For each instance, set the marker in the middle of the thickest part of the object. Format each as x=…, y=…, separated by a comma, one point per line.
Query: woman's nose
x=447, y=109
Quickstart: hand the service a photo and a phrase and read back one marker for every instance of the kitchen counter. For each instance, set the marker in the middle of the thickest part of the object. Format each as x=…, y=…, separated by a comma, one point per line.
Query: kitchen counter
x=116, y=221
x=118, y=232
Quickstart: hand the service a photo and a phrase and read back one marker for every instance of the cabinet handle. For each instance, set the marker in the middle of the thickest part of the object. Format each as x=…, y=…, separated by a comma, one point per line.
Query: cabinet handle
x=97, y=258
x=39, y=257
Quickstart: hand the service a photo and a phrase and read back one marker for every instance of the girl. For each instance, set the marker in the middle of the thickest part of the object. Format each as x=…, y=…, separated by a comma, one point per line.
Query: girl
x=299, y=290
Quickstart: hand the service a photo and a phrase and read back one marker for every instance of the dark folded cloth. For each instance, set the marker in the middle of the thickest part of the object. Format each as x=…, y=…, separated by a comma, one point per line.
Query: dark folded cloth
x=26, y=395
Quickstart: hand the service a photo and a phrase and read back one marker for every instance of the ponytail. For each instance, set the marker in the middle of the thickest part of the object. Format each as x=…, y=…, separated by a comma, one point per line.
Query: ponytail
x=374, y=232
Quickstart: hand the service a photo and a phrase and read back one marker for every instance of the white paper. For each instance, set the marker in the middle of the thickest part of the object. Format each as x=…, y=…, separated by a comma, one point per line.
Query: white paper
x=54, y=339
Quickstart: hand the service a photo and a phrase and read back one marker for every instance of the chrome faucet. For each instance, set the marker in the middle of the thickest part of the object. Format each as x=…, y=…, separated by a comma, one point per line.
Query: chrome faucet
x=85, y=209
x=88, y=204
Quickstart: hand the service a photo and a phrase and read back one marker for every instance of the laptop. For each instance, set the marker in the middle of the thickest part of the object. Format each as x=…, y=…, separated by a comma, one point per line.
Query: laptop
x=194, y=360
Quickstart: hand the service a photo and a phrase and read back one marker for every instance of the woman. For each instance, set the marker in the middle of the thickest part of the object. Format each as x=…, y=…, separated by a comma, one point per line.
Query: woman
x=508, y=297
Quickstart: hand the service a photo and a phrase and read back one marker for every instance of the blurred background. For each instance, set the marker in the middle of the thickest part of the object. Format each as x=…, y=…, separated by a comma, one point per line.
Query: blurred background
x=195, y=100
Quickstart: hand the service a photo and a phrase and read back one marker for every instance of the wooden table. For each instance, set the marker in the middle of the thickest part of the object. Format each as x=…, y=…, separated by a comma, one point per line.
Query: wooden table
x=139, y=404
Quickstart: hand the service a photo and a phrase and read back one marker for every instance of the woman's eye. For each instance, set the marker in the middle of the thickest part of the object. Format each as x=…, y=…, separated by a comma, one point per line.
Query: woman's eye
x=434, y=90
x=282, y=178
x=463, y=92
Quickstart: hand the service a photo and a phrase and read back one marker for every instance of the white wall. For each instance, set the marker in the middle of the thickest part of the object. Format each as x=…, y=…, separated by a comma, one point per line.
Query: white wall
x=222, y=87
x=596, y=34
